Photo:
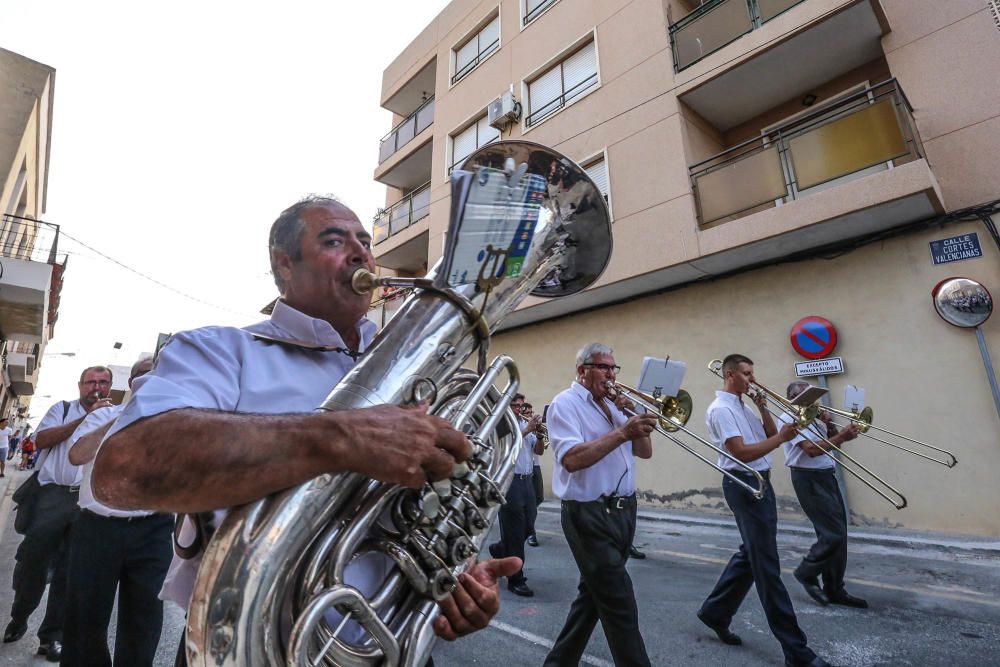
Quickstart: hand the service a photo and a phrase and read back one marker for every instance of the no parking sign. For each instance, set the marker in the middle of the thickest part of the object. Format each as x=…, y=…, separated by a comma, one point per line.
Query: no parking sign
x=814, y=337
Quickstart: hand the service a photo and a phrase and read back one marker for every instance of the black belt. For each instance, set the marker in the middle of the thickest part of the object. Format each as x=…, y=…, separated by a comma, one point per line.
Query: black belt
x=766, y=474
x=120, y=518
x=607, y=502
x=519, y=475
x=70, y=489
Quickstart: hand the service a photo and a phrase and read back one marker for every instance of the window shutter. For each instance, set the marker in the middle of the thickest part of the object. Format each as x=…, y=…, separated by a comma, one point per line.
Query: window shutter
x=578, y=68
x=487, y=133
x=598, y=173
x=463, y=144
x=488, y=35
x=544, y=90
x=532, y=5
x=466, y=54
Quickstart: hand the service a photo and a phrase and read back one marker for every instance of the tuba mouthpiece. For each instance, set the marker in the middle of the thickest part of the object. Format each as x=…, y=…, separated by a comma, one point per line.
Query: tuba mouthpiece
x=363, y=281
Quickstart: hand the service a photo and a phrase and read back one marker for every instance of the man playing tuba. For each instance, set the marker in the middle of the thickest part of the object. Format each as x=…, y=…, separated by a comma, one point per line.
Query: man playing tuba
x=226, y=417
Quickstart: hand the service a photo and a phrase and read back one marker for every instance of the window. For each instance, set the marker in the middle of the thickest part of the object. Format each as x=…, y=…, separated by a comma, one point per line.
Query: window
x=475, y=50
x=535, y=8
x=597, y=170
x=472, y=137
x=561, y=84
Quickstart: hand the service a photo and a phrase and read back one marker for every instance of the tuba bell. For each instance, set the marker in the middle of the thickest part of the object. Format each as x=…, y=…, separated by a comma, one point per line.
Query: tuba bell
x=275, y=587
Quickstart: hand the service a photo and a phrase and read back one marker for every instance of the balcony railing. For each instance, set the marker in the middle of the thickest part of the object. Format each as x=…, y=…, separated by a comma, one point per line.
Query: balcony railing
x=549, y=108
x=717, y=23
x=867, y=131
x=536, y=11
x=410, y=127
x=467, y=68
x=27, y=239
x=383, y=308
x=402, y=214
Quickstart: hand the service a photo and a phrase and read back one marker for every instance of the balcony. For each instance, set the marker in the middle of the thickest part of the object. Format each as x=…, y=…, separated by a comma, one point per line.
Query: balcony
x=31, y=279
x=22, y=369
x=405, y=131
x=868, y=131
x=813, y=43
x=383, y=308
x=715, y=24
x=408, y=210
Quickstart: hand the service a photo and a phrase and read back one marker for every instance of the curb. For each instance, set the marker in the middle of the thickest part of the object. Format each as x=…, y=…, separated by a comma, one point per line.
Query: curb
x=970, y=545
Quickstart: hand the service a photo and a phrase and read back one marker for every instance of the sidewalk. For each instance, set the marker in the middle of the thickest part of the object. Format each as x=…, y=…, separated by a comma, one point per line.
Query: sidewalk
x=969, y=545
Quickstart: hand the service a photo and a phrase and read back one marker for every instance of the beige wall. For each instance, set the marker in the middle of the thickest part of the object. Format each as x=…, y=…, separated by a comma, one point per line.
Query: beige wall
x=923, y=377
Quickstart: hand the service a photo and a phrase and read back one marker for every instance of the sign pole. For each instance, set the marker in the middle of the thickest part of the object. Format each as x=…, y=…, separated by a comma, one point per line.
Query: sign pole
x=990, y=375
x=821, y=381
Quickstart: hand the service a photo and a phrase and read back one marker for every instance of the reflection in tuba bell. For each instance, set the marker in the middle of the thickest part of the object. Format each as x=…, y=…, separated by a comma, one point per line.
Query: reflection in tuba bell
x=272, y=588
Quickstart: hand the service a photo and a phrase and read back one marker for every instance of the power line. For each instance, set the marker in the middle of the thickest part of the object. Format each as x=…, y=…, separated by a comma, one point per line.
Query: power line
x=162, y=284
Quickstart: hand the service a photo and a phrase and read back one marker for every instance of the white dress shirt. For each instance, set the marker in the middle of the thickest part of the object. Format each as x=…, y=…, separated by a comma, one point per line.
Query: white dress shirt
x=574, y=418
x=94, y=421
x=728, y=417
x=56, y=468
x=524, y=465
x=795, y=457
x=227, y=369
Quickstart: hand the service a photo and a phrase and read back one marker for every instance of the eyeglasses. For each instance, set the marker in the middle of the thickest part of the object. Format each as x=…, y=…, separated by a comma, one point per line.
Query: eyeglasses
x=605, y=368
x=93, y=383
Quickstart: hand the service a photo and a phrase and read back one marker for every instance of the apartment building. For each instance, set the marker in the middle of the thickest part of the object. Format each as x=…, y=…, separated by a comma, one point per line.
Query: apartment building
x=763, y=161
x=30, y=268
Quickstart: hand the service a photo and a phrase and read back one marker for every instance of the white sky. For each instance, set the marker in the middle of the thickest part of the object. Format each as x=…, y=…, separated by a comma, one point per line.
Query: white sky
x=181, y=130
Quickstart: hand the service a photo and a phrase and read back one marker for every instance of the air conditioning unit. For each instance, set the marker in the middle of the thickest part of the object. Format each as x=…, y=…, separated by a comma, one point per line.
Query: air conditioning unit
x=504, y=110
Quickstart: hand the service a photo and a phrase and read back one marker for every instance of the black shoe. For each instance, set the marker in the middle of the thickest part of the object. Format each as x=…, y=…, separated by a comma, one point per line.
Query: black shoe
x=726, y=636
x=812, y=588
x=521, y=589
x=844, y=598
x=15, y=630
x=815, y=662
x=495, y=550
x=51, y=650
x=532, y=541
x=635, y=553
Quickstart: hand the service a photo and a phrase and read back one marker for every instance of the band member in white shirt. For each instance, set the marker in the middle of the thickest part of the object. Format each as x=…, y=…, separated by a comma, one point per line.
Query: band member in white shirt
x=734, y=428
x=594, y=447
x=815, y=481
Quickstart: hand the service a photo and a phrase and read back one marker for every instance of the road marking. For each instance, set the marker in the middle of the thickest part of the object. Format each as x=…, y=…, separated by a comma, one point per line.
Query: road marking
x=542, y=641
x=861, y=582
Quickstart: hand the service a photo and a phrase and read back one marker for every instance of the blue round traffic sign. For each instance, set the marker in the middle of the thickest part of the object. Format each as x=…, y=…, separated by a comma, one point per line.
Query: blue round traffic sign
x=814, y=337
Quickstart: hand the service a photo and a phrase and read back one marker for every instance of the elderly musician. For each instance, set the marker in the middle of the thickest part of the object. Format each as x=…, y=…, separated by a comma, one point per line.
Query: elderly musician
x=733, y=427
x=815, y=481
x=594, y=444
x=227, y=417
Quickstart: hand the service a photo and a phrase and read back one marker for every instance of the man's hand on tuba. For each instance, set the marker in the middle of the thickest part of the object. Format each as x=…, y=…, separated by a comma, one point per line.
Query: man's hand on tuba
x=476, y=599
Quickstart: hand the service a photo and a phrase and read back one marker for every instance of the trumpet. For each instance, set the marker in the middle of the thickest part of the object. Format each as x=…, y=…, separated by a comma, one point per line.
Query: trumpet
x=674, y=412
x=799, y=415
x=542, y=431
x=864, y=418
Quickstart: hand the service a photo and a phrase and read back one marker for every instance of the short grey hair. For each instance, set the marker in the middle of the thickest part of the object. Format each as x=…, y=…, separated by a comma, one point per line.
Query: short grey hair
x=143, y=358
x=795, y=388
x=286, y=231
x=589, y=351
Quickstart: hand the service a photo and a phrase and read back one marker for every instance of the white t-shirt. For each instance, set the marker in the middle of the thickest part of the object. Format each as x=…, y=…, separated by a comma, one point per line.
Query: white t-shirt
x=795, y=457
x=728, y=417
x=227, y=369
x=5, y=434
x=574, y=418
x=56, y=468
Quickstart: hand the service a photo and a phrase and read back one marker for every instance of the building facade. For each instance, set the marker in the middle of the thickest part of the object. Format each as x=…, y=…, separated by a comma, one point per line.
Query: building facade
x=31, y=269
x=763, y=161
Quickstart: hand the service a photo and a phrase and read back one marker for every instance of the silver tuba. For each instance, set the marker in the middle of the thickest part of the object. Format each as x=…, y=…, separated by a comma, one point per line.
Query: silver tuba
x=275, y=585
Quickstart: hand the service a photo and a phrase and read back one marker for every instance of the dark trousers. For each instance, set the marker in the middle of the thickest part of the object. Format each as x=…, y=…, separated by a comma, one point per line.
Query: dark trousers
x=516, y=516
x=539, y=487
x=756, y=564
x=45, y=546
x=599, y=534
x=132, y=557
x=819, y=495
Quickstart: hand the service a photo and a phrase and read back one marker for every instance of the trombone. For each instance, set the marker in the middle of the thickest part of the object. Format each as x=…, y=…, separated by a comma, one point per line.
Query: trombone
x=802, y=417
x=863, y=419
x=674, y=412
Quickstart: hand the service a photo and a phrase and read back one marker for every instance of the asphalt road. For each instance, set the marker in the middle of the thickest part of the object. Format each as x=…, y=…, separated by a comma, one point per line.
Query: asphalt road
x=934, y=602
